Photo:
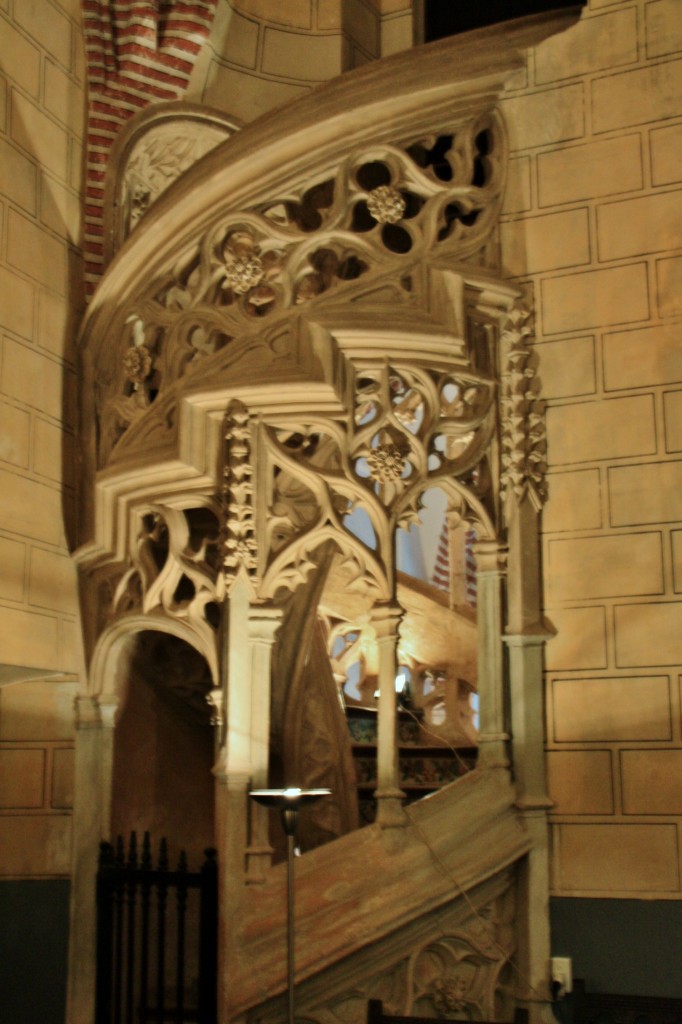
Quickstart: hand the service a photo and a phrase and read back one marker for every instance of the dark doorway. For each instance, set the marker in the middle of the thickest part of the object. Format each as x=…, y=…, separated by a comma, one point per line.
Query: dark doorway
x=450, y=17
x=163, y=746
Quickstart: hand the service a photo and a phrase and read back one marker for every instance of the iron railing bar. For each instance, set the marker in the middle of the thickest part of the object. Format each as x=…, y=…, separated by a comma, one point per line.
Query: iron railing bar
x=180, y=949
x=123, y=951
x=119, y=897
x=161, y=896
x=131, y=889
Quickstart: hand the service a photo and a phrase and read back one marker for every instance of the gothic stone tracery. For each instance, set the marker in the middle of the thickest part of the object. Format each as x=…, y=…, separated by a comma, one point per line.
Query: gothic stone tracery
x=377, y=213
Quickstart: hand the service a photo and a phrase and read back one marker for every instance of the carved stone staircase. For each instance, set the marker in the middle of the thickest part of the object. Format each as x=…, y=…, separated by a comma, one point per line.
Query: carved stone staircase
x=400, y=914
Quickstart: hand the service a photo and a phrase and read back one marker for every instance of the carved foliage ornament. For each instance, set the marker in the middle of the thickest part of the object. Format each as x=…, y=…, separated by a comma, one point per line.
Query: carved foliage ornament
x=158, y=158
x=239, y=535
x=523, y=449
x=379, y=209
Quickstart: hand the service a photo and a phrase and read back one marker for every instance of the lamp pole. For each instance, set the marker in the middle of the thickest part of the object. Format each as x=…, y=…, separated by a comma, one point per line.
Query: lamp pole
x=289, y=802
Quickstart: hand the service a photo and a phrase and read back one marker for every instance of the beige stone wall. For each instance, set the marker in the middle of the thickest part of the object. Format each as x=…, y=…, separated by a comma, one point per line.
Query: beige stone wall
x=41, y=131
x=593, y=231
x=263, y=53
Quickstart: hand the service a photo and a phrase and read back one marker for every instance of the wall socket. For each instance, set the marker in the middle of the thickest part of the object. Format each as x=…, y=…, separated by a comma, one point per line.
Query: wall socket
x=562, y=975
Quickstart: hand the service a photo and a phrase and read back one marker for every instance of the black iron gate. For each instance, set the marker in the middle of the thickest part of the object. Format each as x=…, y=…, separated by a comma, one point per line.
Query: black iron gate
x=157, y=936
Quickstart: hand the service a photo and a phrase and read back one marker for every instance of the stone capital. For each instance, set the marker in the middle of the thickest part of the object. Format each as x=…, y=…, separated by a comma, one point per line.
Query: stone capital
x=264, y=623
x=490, y=557
x=385, y=620
x=108, y=706
x=87, y=712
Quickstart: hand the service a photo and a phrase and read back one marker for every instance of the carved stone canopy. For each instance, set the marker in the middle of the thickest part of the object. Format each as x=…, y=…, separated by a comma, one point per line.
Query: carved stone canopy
x=298, y=207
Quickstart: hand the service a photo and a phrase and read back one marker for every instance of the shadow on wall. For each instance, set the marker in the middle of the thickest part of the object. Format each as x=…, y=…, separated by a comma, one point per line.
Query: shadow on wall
x=624, y=947
x=47, y=247
x=33, y=950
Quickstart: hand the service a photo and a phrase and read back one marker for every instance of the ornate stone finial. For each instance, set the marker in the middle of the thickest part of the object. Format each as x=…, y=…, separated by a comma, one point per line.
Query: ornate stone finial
x=523, y=421
x=239, y=545
x=386, y=204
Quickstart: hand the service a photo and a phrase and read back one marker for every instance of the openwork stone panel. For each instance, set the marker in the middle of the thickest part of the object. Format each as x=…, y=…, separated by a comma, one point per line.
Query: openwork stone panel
x=409, y=428
x=171, y=571
x=378, y=213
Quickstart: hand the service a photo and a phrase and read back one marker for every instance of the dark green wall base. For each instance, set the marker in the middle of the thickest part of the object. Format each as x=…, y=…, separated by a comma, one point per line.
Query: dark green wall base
x=627, y=947
x=630, y=947
x=34, y=930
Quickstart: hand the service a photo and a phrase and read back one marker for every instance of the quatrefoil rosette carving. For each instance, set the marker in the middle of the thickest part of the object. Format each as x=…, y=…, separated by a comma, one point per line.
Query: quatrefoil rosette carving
x=384, y=208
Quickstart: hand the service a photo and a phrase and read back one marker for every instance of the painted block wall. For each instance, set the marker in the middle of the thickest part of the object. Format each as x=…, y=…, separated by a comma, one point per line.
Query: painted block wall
x=592, y=231
x=41, y=130
x=262, y=53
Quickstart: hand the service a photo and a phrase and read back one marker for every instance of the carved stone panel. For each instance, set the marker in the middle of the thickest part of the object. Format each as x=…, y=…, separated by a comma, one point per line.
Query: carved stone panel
x=151, y=152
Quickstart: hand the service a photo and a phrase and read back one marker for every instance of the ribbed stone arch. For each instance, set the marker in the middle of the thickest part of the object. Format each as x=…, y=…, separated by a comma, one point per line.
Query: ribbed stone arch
x=112, y=652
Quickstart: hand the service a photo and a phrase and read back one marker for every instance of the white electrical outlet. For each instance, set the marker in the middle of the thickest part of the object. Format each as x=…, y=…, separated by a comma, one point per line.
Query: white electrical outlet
x=562, y=975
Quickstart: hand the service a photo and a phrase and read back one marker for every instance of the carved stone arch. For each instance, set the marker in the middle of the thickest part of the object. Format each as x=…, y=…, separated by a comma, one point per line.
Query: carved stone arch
x=291, y=566
x=463, y=502
x=157, y=675
x=112, y=650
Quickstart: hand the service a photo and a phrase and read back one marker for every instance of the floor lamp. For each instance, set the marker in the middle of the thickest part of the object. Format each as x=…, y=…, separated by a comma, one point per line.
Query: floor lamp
x=289, y=802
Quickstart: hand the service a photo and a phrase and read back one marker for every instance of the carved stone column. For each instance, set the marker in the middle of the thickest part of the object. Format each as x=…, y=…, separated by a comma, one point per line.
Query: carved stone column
x=264, y=622
x=91, y=825
x=243, y=760
x=385, y=619
x=242, y=836
x=525, y=639
x=493, y=734
x=233, y=766
x=523, y=480
x=231, y=819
